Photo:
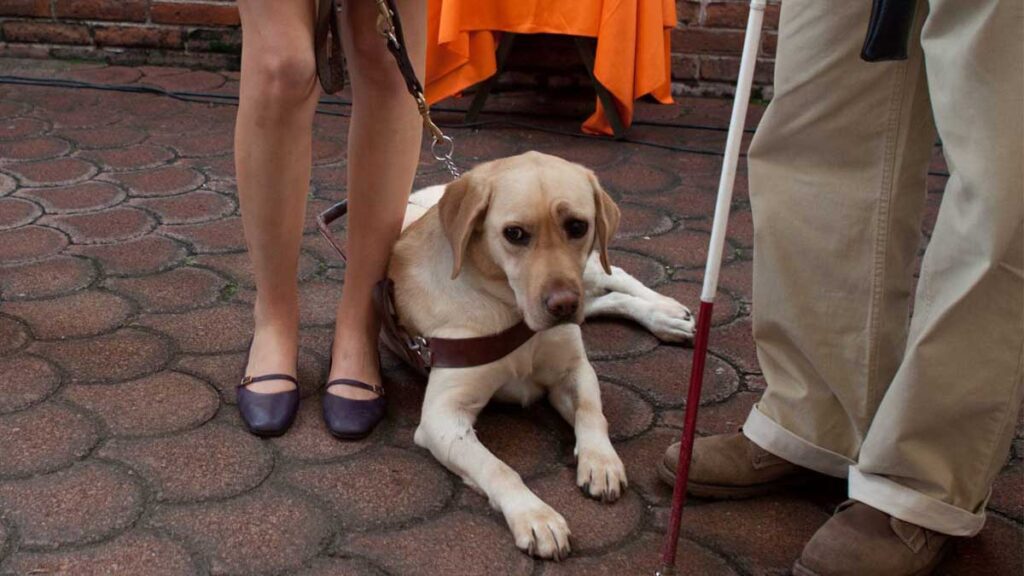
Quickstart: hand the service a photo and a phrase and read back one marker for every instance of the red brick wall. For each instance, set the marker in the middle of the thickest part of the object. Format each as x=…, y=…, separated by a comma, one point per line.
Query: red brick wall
x=706, y=43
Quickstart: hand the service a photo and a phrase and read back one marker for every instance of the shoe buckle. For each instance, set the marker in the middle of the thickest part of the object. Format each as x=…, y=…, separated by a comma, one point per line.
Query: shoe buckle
x=246, y=380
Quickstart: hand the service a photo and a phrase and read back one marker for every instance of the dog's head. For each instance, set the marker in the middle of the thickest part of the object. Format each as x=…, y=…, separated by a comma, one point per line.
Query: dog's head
x=533, y=220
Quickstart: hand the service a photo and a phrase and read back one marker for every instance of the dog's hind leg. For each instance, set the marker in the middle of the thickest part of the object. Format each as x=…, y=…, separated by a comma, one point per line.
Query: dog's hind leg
x=674, y=326
x=621, y=295
x=452, y=402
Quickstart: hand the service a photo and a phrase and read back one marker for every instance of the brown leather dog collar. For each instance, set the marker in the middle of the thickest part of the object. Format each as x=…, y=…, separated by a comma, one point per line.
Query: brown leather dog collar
x=425, y=353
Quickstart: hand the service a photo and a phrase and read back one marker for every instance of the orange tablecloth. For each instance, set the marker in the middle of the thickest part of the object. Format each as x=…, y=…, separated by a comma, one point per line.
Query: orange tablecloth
x=633, y=56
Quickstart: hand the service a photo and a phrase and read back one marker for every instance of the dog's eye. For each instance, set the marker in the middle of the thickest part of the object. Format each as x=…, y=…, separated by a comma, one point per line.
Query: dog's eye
x=576, y=228
x=516, y=235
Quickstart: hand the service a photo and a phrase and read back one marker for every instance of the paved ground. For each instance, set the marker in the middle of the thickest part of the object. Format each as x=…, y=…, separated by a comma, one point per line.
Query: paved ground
x=124, y=312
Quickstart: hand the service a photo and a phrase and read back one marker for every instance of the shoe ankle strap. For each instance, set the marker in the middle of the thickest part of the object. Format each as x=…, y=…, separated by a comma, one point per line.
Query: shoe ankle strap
x=379, y=390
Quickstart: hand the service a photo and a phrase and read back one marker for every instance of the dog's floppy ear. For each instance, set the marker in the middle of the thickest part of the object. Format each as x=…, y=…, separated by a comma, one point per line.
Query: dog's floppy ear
x=606, y=221
x=461, y=208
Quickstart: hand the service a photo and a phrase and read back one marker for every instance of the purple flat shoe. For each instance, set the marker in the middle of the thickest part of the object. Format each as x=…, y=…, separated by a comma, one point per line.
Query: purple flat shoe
x=269, y=414
x=350, y=419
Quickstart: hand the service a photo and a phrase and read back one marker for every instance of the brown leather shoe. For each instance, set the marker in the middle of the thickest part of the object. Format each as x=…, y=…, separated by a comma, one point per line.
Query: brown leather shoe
x=729, y=466
x=860, y=540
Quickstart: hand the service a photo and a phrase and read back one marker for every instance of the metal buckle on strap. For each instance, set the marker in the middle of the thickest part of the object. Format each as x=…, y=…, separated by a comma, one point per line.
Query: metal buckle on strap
x=420, y=346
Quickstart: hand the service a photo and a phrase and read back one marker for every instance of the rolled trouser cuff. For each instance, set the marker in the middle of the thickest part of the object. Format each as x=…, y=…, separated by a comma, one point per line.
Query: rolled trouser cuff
x=771, y=436
x=912, y=506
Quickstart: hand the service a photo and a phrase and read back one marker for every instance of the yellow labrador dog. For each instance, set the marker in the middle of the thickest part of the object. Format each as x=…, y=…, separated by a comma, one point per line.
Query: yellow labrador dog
x=521, y=238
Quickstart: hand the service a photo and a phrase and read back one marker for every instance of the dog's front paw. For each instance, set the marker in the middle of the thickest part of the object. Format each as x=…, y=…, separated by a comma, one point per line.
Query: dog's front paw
x=670, y=321
x=600, y=474
x=539, y=530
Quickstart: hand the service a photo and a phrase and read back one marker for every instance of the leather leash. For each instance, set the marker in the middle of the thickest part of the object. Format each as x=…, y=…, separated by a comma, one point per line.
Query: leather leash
x=421, y=353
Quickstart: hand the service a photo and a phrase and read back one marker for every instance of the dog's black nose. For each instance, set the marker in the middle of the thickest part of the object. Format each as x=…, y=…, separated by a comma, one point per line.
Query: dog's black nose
x=562, y=303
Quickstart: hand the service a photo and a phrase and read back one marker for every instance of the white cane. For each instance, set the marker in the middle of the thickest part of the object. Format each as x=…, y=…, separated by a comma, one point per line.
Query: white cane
x=714, y=264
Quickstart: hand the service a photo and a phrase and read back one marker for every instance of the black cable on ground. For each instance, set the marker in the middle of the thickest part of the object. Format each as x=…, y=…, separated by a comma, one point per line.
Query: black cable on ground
x=232, y=100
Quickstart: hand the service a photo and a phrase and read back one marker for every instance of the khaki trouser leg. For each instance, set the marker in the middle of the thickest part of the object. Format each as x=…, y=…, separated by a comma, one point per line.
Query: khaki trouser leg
x=837, y=181
x=943, y=429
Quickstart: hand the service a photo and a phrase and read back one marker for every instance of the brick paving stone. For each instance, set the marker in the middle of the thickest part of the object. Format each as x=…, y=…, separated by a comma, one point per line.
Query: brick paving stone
x=640, y=456
x=77, y=505
x=223, y=235
x=34, y=149
x=215, y=167
x=680, y=248
x=326, y=152
x=309, y=441
x=637, y=178
x=15, y=212
x=189, y=81
x=174, y=290
x=763, y=535
x=736, y=342
x=1008, y=492
x=206, y=330
x=164, y=181
x=639, y=221
x=722, y=418
x=105, y=227
x=520, y=441
x=591, y=153
x=377, y=488
x=685, y=201
x=81, y=117
x=30, y=243
x=19, y=128
x=455, y=543
x=594, y=525
x=26, y=380
x=7, y=184
x=159, y=404
x=997, y=549
x=611, y=338
x=264, y=532
x=78, y=314
x=13, y=335
x=642, y=555
x=126, y=353
x=105, y=137
x=4, y=539
x=47, y=278
x=43, y=438
x=133, y=158
x=211, y=462
x=643, y=268
x=134, y=553
x=222, y=370
x=87, y=196
x=339, y=567
x=664, y=375
x=108, y=75
x=189, y=208
x=198, y=145
x=238, y=266
x=628, y=414
x=58, y=172
x=142, y=256
x=318, y=302
x=737, y=277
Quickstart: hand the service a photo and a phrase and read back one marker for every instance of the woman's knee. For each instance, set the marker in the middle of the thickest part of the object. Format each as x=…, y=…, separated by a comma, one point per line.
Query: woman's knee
x=284, y=77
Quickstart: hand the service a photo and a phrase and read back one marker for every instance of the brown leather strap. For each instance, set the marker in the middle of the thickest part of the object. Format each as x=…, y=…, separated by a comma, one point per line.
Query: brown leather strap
x=469, y=352
x=330, y=61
